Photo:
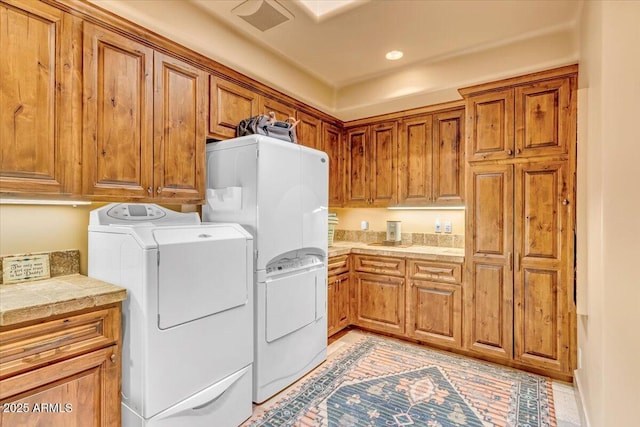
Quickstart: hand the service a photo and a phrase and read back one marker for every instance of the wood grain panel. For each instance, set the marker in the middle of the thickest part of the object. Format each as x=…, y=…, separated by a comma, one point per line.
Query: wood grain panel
x=435, y=271
x=333, y=146
x=448, y=157
x=179, y=141
x=491, y=129
x=118, y=115
x=543, y=118
x=538, y=314
x=415, y=161
x=380, y=302
x=382, y=172
x=283, y=111
x=380, y=265
x=309, y=131
x=357, y=160
x=492, y=206
x=338, y=264
x=543, y=265
x=229, y=103
x=39, y=136
x=435, y=313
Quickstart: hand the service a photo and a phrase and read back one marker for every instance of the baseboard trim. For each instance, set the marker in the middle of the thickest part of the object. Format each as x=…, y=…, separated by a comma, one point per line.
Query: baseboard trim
x=584, y=418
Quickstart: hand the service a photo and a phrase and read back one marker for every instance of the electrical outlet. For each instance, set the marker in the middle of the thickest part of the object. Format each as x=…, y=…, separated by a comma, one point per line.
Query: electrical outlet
x=364, y=225
x=438, y=227
x=447, y=227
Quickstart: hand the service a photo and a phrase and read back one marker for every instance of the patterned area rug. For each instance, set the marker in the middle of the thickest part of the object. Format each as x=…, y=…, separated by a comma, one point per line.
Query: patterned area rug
x=383, y=382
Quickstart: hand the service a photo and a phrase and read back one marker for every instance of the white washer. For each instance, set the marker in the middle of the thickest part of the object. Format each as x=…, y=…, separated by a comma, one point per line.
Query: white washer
x=187, y=320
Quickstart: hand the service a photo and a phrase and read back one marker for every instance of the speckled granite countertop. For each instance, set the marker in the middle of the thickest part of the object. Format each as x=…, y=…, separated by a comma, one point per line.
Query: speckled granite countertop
x=23, y=302
x=431, y=253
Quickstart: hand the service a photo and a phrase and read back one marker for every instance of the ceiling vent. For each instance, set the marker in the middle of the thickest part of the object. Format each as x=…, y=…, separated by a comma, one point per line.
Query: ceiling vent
x=263, y=14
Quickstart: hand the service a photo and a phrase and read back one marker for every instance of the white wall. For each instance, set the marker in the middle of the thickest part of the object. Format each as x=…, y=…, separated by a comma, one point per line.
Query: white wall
x=609, y=334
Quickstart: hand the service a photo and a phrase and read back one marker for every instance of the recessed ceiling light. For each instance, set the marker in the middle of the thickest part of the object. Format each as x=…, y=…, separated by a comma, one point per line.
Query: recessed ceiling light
x=394, y=55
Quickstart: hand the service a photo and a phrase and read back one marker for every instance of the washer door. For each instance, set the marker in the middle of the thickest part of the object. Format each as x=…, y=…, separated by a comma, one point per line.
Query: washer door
x=201, y=271
x=294, y=301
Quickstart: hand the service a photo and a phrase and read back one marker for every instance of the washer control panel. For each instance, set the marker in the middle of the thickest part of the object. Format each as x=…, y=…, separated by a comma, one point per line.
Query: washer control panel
x=136, y=212
x=292, y=264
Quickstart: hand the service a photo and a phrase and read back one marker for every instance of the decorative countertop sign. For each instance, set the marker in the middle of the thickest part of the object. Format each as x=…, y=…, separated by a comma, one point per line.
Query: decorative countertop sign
x=24, y=268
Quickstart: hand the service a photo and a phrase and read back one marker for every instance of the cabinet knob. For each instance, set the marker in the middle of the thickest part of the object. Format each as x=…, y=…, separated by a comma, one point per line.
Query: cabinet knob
x=509, y=152
x=158, y=190
x=113, y=357
x=149, y=190
x=565, y=202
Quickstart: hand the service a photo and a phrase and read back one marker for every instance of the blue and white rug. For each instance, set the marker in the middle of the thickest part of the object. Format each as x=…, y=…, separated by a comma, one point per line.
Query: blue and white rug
x=379, y=381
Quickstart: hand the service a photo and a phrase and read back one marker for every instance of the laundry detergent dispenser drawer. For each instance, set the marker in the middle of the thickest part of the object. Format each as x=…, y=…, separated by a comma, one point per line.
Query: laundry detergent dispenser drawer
x=202, y=271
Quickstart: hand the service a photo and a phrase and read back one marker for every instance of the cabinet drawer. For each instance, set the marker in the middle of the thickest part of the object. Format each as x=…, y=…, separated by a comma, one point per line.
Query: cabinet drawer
x=338, y=264
x=435, y=271
x=380, y=265
x=30, y=347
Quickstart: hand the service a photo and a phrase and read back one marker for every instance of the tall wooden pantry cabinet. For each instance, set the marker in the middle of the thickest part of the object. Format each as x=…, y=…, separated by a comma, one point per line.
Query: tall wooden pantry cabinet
x=520, y=151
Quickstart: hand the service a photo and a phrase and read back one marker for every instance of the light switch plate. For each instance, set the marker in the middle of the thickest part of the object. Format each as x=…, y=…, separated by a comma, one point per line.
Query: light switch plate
x=447, y=227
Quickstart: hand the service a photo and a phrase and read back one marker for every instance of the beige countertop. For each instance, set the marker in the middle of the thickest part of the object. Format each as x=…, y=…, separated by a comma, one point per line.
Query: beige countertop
x=430, y=253
x=23, y=302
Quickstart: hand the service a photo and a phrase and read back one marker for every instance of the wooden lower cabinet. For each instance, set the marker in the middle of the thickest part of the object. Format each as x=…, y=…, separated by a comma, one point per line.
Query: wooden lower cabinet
x=434, y=303
x=379, y=302
x=64, y=372
x=338, y=303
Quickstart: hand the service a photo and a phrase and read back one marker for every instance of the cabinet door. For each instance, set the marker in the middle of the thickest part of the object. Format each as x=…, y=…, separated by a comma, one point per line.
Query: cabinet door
x=83, y=391
x=118, y=115
x=448, y=158
x=332, y=309
x=39, y=109
x=490, y=130
x=343, y=302
x=283, y=111
x=228, y=104
x=379, y=302
x=179, y=135
x=545, y=117
x=309, y=131
x=543, y=236
x=435, y=313
x=382, y=171
x=332, y=142
x=489, y=250
x=338, y=303
x=357, y=159
x=415, y=164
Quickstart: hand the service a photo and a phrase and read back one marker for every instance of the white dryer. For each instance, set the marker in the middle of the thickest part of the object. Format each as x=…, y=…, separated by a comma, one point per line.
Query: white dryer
x=187, y=320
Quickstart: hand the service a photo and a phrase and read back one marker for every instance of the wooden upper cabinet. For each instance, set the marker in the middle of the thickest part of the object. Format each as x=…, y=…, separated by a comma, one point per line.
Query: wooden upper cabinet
x=448, y=158
x=545, y=118
x=542, y=240
x=371, y=165
x=39, y=99
x=229, y=103
x=383, y=173
x=524, y=121
x=309, y=131
x=333, y=146
x=283, y=111
x=490, y=119
x=489, y=258
x=357, y=157
x=431, y=159
x=118, y=115
x=179, y=130
x=415, y=161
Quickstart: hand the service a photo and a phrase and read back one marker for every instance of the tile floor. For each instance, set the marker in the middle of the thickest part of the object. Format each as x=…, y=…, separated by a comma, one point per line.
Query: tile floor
x=564, y=394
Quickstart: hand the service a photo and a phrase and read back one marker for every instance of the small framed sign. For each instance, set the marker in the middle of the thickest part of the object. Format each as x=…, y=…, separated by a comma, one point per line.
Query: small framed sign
x=25, y=268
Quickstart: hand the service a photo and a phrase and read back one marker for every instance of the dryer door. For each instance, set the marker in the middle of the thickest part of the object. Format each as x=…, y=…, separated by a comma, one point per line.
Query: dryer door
x=201, y=271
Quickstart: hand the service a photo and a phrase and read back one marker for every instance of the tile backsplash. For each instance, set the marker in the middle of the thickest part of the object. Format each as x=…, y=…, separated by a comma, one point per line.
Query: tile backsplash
x=426, y=239
x=61, y=263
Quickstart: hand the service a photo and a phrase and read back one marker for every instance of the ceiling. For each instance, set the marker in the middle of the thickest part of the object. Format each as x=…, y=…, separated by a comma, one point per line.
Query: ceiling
x=349, y=45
